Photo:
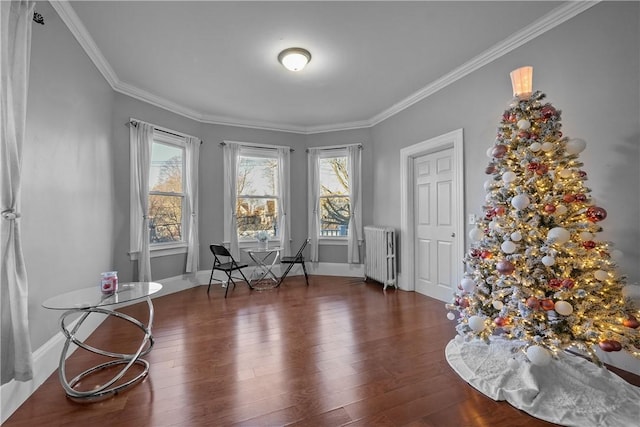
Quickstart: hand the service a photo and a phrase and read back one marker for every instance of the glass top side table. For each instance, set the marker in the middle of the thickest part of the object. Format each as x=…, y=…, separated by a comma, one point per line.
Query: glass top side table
x=92, y=300
x=262, y=276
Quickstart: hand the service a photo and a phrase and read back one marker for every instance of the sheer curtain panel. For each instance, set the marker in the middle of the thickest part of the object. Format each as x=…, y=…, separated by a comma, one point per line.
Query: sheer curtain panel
x=284, y=156
x=141, y=139
x=231, y=152
x=354, y=161
x=314, y=202
x=15, y=51
x=193, y=248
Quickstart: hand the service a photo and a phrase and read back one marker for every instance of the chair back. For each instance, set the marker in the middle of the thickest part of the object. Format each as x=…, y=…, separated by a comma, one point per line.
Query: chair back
x=219, y=250
x=298, y=256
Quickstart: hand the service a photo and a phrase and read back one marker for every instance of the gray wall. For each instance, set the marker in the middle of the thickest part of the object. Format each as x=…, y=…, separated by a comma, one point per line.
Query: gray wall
x=75, y=200
x=589, y=68
x=68, y=202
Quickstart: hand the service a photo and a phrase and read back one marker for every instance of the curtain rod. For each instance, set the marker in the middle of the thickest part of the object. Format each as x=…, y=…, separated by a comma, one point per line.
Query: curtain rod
x=248, y=144
x=335, y=147
x=134, y=123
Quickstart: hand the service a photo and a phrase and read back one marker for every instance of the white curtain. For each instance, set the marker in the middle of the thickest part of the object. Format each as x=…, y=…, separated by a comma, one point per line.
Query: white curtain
x=15, y=51
x=354, y=161
x=193, y=248
x=314, y=202
x=141, y=137
x=284, y=156
x=231, y=155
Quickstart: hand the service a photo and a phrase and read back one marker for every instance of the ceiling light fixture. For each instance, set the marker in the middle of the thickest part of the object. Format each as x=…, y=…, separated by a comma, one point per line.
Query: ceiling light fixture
x=294, y=58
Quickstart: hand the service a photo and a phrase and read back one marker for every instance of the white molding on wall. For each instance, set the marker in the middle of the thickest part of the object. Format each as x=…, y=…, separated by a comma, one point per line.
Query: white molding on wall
x=453, y=139
x=551, y=20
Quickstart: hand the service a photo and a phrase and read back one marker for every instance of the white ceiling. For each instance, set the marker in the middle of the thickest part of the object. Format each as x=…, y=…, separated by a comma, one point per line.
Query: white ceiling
x=216, y=61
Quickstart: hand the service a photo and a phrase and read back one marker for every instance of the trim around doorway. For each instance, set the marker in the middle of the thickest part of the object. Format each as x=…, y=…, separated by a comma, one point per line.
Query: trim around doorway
x=453, y=139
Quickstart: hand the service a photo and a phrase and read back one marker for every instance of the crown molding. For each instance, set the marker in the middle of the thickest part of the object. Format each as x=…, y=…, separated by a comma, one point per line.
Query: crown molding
x=554, y=18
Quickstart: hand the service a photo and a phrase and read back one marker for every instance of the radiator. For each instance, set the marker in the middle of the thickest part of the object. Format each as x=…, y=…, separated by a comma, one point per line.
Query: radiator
x=380, y=255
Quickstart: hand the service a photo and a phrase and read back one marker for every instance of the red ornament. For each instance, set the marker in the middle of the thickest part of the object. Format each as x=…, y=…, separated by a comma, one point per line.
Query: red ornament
x=500, y=210
x=523, y=134
x=505, y=267
x=475, y=253
x=464, y=303
x=589, y=244
x=533, y=166
x=568, y=283
x=499, y=151
x=580, y=197
x=568, y=198
x=610, y=345
x=542, y=169
x=501, y=321
x=549, y=208
x=486, y=255
x=555, y=283
x=595, y=214
x=582, y=174
x=490, y=169
x=631, y=322
x=547, y=304
x=533, y=303
x=548, y=111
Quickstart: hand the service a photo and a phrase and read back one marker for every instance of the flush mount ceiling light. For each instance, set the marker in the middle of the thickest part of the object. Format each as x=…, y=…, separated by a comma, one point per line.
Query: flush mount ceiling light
x=294, y=58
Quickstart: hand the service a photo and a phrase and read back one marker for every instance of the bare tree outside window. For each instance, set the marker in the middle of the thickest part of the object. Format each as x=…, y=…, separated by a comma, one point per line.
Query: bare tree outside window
x=257, y=198
x=166, y=194
x=334, y=197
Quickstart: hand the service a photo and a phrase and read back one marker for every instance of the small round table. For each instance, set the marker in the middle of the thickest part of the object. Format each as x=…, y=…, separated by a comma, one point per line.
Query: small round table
x=92, y=300
x=262, y=276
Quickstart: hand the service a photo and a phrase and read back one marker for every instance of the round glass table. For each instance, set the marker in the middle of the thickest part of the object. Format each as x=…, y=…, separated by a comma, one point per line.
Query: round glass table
x=91, y=300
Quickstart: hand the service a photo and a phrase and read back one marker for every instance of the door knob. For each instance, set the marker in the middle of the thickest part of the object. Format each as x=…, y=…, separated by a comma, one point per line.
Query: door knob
x=453, y=234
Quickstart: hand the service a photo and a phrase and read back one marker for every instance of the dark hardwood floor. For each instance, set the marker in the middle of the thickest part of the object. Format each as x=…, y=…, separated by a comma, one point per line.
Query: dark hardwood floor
x=339, y=352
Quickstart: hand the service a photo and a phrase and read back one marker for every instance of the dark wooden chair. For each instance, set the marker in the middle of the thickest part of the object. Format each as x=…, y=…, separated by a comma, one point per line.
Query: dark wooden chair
x=220, y=254
x=293, y=260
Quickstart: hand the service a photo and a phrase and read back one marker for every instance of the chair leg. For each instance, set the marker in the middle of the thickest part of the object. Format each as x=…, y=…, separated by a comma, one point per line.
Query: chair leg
x=289, y=267
x=210, y=279
x=229, y=282
x=245, y=279
x=306, y=277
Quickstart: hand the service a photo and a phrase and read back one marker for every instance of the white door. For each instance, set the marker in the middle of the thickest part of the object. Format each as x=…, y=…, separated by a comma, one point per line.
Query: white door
x=434, y=225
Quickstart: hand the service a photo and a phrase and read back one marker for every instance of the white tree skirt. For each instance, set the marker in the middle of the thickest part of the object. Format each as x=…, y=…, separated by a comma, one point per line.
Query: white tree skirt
x=570, y=390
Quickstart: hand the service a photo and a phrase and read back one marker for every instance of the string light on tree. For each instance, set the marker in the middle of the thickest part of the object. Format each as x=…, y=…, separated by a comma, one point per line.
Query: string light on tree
x=537, y=271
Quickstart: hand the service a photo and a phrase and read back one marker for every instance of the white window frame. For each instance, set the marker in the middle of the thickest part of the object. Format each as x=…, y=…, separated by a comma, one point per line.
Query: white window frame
x=264, y=154
x=332, y=240
x=168, y=248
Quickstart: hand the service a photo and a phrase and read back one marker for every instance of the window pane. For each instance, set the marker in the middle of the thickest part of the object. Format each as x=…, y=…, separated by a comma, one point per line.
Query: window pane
x=256, y=214
x=166, y=168
x=165, y=218
x=334, y=216
x=257, y=176
x=334, y=179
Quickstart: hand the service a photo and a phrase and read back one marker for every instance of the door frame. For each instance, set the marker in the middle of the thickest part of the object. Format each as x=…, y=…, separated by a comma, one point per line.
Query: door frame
x=453, y=139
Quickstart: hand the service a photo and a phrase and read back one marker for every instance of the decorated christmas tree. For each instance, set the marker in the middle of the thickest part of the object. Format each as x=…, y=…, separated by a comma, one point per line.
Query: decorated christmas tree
x=536, y=270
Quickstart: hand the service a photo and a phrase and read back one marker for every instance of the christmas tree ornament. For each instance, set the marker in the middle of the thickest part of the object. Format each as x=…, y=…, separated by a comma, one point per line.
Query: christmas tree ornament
x=558, y=235
x=565, y=173
x=547, y=146
x=585, y=235
x=547, y=304
x=499, y=151
x=497, y=305
x=610, y=345
x=520, y=201
x=563, y=308
x=535, y=147
x=549, y=208
x=548, y=260
x=601, y=275
x=575, y=146
x=476, y=323
x=533, y=303
x=631, y=322
x=490, y=152
x=505, y=267
x=476, y=234
x=451, y=316
x=508, y=247
x=596, y=214
x=568, y=283
x=468, y=285
x=539, y=356
x=516, y=236
x=500, y=321
x=523, y=124
x=560, y=210
x=589, y=244
x=509, y=177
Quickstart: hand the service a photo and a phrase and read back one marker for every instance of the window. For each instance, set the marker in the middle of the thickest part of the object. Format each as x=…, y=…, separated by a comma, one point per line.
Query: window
x=257, y=198
x=334, y=194
x=167, y=191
